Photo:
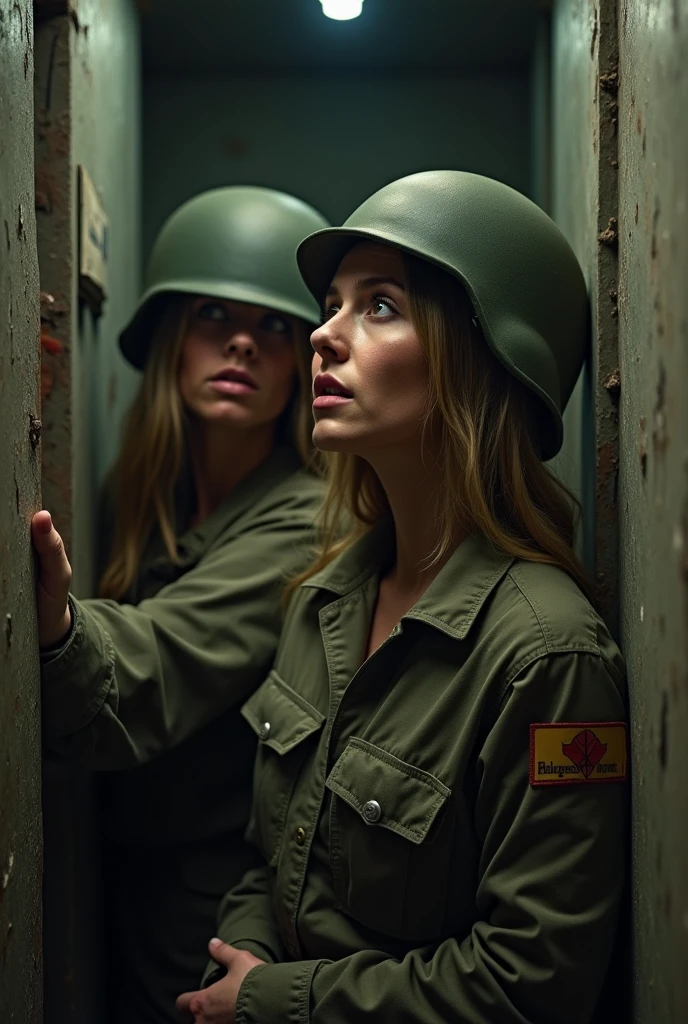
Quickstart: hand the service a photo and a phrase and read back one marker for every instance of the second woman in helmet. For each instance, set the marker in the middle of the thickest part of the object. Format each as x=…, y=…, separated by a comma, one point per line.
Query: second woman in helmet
x=212, y=507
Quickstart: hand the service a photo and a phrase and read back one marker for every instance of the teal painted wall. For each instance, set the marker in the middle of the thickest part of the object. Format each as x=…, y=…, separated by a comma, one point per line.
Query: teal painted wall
x=106, y=140
x=332, y=141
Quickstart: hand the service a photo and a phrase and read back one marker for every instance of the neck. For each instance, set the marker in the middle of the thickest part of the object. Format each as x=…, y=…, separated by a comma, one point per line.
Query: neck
x=221, y=458
x=412, y=484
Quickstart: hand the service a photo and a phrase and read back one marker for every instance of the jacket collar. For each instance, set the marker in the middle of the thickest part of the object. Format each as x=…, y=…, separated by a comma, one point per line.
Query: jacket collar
x=194, y=542
x=453, y=600
x=279, y=465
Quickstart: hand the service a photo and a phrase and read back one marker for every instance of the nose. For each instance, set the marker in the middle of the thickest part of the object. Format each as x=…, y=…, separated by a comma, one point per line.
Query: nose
x=240, y=342
x=328, y=341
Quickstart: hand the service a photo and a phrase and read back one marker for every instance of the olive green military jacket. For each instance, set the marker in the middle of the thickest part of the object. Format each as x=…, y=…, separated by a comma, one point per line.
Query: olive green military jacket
x=436, y=850
x=134, y=681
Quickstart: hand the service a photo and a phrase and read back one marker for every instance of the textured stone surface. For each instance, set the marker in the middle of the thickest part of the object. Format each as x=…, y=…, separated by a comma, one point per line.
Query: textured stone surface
x=20, y=430
x=653, y=499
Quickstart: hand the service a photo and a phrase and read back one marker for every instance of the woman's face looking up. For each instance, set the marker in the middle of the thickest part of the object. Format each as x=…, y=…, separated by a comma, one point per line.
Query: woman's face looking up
x=370, y=377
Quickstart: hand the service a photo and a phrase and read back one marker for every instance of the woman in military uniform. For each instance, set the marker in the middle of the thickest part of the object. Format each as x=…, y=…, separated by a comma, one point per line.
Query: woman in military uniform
x=439, y=791
x=211, y=507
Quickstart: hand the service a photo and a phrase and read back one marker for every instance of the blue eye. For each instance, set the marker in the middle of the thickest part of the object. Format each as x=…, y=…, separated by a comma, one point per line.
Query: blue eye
x=275, y=323
x=212, y=311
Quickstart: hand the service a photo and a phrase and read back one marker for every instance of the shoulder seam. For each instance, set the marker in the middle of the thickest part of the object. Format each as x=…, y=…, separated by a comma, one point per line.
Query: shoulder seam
x=546, y=636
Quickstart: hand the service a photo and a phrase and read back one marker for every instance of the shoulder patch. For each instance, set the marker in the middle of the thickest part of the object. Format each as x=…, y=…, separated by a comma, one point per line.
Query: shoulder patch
x=570, y=753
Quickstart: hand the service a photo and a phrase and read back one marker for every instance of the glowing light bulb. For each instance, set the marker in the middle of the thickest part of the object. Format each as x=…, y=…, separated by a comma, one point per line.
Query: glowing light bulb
x=342, y=10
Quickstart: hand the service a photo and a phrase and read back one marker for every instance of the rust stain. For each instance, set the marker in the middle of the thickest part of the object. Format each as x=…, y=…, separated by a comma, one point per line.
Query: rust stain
x=613, y=385
x=660, y=433
x=35, y=428
x=642, y=446
x=610, y=235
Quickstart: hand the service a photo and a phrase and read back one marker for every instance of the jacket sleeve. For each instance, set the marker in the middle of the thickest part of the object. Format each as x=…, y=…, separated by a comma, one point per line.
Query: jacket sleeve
x=134, y=681
x=550, y=878
x=246, y=920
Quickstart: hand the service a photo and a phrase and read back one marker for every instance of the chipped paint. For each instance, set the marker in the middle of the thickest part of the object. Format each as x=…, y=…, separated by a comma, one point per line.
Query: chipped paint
x=86, y=103
x=585, y=137
x=20, y=823
x=653, y=482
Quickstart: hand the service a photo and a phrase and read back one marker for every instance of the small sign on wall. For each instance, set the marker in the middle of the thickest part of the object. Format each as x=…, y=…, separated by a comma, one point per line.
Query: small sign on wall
x=94, y=242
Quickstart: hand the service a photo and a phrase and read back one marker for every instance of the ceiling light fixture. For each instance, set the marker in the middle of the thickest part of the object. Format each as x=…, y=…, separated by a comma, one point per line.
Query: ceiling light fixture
x=342, y=10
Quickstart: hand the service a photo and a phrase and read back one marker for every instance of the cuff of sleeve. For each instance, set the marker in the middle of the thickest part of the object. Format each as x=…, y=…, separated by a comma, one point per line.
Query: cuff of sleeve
x=277, y=993
x=47, y=653
x=76, y=679
x=214, y=972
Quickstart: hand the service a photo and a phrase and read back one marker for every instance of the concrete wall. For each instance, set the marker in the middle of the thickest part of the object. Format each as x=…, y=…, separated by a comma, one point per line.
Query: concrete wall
x=87, y=107
x=331, y=140
x=87, y=113
x=584, y=204
x=653, y=341
x=634, y=158
x=20, y=828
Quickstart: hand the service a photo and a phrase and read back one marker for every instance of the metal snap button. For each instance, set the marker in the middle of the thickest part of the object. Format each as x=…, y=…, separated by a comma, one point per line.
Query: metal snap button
x=264, y=731
x=372, y=812
x=300, y=836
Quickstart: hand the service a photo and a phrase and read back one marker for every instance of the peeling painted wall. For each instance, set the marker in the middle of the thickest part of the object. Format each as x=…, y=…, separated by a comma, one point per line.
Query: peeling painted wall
x=653, y=341
x=633, y=129
x=20, y=429
x=585, y=184
x=87, y=114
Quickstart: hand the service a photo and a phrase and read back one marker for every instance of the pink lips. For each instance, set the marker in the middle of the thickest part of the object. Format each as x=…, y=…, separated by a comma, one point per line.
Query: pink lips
x=328, y=392
x=233, y=381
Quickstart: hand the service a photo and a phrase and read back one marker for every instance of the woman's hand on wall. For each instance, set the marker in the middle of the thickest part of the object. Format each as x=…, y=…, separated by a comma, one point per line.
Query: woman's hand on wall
x=52, y=583
x=217, y=1003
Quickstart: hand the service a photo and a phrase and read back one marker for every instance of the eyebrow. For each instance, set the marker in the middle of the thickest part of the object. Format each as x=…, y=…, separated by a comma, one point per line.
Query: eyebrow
x=371, y=282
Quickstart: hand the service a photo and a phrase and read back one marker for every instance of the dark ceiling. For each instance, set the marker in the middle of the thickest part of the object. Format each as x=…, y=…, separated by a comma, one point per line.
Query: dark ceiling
x=256, y=37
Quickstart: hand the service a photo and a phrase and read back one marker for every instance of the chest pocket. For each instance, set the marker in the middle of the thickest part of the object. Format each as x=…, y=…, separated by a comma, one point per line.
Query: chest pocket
x=282, y=720
x=391, y=829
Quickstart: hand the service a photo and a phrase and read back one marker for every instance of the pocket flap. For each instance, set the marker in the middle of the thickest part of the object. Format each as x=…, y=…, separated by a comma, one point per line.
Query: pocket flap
x=280, y=717
x=386, y=791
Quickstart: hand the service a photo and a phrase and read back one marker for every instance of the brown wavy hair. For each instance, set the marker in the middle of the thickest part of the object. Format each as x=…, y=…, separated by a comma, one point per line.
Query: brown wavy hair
x=493, y=480
x=153, y=454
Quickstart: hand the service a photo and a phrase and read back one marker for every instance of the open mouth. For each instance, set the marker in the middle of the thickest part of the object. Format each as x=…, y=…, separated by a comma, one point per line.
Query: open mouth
x=328, y=391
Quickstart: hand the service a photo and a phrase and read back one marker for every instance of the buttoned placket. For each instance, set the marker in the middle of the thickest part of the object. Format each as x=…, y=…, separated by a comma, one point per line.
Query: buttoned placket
x=306, y=807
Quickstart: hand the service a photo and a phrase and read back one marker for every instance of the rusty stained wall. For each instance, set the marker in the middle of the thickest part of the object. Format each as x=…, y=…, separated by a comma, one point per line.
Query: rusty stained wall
x=87, y=112
x=653, y=340
x=20, y=830
x=584, y=204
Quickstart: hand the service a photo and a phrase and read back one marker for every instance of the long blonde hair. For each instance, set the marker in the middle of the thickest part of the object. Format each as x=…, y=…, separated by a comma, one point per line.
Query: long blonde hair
x=481, y=417
x=153, y=454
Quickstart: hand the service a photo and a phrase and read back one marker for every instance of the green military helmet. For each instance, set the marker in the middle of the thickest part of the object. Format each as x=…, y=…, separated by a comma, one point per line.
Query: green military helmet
x=520, y=273
x=234, y=243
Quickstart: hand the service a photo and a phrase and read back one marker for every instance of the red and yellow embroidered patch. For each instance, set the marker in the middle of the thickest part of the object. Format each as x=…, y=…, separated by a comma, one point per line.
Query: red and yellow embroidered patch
x=564, y=753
